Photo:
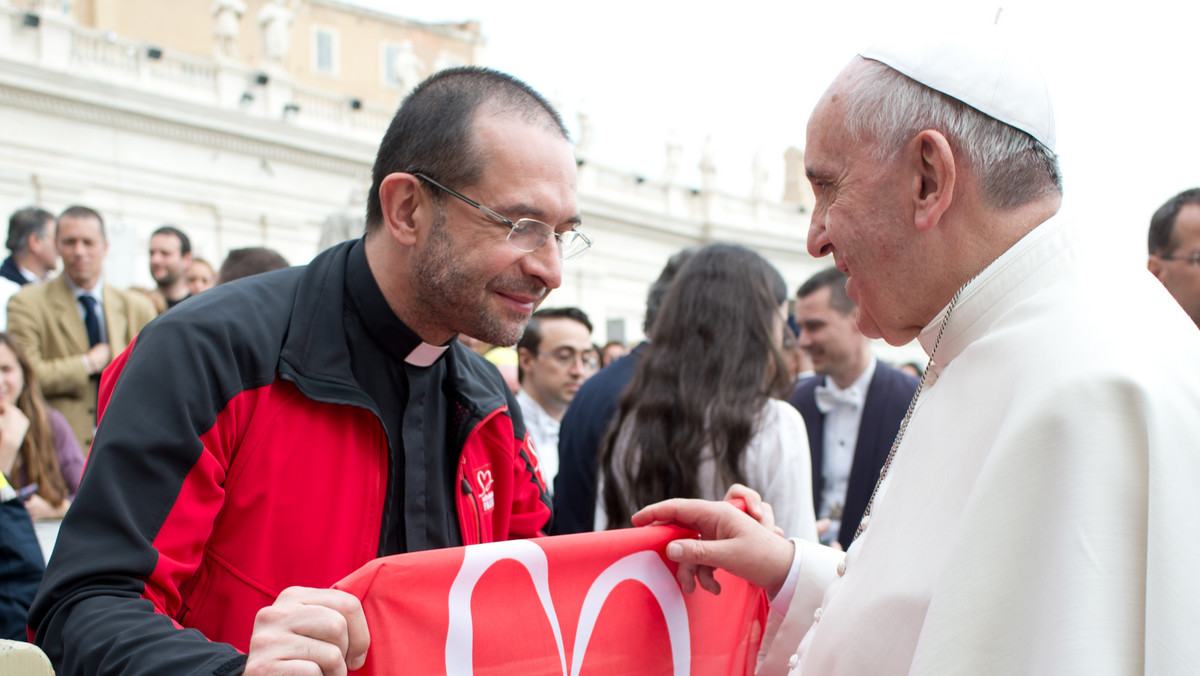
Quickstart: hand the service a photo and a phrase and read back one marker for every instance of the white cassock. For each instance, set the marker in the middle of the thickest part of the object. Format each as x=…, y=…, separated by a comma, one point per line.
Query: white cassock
x=1039, y=517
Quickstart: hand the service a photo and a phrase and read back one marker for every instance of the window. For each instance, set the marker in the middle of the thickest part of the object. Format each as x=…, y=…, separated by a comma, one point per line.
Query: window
x=325, y=60
x=391, y=77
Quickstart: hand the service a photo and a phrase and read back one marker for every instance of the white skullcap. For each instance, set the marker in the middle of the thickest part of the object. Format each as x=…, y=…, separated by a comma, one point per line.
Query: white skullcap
x=983, y=69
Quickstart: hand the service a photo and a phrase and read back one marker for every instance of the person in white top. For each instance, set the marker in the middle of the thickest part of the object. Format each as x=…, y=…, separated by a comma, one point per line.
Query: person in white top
x=554, y=357
x=1035, y=517
x=699, y=415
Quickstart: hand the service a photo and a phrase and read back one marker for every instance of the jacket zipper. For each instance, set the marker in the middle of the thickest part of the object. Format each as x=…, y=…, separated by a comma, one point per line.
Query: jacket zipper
x=466, y=489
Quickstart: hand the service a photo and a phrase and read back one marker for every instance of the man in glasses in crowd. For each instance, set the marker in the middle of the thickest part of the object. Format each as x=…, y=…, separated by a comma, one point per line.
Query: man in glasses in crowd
x=330, y=415
x=554, y=357
x=1175, y=249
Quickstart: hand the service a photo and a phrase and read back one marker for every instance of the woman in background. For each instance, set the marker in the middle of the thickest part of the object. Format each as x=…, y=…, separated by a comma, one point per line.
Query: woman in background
x=36, y=442
x=699, y=415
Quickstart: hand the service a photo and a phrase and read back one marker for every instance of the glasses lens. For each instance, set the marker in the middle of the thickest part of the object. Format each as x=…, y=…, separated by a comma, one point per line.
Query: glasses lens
x=574, y=244
x=528, y=234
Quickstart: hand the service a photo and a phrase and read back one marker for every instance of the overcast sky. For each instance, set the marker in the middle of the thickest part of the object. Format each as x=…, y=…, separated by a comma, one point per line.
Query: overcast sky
x=747, y=74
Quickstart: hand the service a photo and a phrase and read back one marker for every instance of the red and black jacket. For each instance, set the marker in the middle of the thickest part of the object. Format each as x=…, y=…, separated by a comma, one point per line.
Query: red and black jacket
x=236, y=456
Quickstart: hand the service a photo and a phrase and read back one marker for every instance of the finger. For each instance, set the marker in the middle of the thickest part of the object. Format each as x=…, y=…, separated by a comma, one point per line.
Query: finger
x=699, y=552
x=686, y=574
x=348, y=632
x=279, y=644
x=298, y=668
x=701, y=516
x=767, y=516
x=705, y=576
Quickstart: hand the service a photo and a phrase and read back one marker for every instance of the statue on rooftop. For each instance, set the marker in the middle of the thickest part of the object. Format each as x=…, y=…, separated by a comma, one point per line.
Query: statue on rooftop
x=275, y=26
x=227, y=15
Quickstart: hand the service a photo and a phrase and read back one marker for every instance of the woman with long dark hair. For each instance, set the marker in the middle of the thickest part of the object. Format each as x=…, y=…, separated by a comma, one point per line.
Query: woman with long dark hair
x=698, y=415
x=37, y=445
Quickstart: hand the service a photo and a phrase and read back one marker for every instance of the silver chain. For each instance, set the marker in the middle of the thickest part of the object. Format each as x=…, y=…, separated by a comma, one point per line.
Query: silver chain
x=912, y=405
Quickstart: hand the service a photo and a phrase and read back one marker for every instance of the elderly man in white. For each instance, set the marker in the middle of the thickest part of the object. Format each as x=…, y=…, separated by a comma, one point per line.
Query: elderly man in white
x=1034, y=516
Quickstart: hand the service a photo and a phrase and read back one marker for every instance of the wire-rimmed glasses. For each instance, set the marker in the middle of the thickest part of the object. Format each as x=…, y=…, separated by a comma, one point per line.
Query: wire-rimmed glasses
x=526, y=234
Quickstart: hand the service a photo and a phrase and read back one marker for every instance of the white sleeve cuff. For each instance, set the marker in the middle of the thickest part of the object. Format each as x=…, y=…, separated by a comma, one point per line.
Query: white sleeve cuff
x=783, y=598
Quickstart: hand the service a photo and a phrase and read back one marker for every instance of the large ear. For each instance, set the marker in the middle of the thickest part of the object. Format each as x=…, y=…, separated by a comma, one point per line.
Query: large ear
x=525, y=359
x=400, y=195
x=936, y=178
x=1155, y=265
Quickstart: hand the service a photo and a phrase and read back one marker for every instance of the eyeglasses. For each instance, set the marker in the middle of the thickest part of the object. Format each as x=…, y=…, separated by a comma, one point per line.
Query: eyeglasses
x=1193, y=257
x=567, y=356
x=527, y=234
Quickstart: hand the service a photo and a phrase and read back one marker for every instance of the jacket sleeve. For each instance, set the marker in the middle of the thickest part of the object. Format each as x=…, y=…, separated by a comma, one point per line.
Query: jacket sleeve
x=138, y=527
x=57, y=376
x=20, y=566
x=531, y=510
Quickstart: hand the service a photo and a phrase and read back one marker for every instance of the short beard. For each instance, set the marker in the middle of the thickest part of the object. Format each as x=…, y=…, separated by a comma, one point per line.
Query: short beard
x=446, y=292
x=167, y=280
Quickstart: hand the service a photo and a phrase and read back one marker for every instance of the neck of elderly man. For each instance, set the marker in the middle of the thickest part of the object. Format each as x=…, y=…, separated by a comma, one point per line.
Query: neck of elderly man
x=926, y=227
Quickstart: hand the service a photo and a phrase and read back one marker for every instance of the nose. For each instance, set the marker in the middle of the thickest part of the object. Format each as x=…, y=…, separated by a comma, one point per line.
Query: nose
x=818, y=237
x=545, y=263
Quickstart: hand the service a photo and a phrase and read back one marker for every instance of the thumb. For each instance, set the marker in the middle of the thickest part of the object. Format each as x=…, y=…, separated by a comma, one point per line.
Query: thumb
x=699, y=552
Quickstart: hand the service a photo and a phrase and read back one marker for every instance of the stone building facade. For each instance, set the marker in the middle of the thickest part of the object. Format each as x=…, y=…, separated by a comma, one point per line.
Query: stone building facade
x=255, y=123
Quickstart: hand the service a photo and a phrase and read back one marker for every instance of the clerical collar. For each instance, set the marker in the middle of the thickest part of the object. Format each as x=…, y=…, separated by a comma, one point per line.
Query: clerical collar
x=987, y=287
x=382, y=325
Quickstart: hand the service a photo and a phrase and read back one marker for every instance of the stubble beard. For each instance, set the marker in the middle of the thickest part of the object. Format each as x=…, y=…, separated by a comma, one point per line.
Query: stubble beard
x=452, y=295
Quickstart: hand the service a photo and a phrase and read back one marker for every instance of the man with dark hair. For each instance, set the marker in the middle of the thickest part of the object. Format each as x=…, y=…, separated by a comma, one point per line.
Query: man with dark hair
x=33, y=255
x=554, y=357
x=1035, y=515
x=31, y=241
x=1175, y=249
x=170, y=257
x=587, y=418
x=73, y=325
x=329, y=415
x=852, y=413
x=250, y=261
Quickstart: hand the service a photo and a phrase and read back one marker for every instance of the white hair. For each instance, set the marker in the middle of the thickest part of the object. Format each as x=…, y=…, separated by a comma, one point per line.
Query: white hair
x=1012, y=167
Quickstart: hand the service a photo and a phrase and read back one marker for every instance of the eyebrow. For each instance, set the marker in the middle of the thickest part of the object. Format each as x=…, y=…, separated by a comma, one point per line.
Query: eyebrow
x=534, y=212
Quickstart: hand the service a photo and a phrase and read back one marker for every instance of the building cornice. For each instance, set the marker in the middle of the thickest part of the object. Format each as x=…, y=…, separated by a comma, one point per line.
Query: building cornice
x=105, y=104
x=467, y=31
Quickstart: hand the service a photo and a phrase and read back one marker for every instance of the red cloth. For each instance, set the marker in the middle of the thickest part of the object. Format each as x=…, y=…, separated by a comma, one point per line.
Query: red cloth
x=493, y=609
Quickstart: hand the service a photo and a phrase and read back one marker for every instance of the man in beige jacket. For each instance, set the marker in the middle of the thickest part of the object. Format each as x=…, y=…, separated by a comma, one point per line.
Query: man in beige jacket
x=73, y=325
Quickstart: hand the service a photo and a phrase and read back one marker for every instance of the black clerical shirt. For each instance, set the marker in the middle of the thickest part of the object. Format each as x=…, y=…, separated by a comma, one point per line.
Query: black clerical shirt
x=421, y=512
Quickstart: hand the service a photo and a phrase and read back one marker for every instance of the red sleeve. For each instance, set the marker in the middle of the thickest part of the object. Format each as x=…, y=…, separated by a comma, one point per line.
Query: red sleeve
x=531, y=501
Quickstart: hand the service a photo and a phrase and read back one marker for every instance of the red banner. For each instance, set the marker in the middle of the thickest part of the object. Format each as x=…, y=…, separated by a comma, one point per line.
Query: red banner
x=593, y=604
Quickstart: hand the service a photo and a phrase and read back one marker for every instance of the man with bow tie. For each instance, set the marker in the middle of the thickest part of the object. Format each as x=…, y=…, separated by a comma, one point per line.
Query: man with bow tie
x=852, y=412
